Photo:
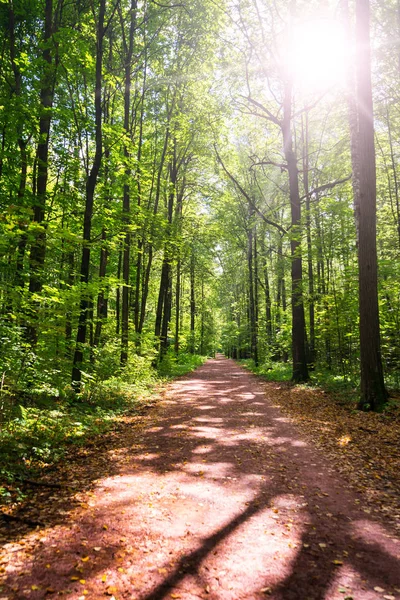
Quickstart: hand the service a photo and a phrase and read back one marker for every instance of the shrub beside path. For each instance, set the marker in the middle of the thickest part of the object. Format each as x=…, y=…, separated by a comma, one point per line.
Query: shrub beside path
x=213, y=493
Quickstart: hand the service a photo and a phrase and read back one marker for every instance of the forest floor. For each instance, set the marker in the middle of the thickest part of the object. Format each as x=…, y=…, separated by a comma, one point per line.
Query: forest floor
x=227, y=488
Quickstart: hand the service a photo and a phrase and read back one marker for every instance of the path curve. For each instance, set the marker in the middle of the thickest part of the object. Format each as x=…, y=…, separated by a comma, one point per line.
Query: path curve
x=214, y=494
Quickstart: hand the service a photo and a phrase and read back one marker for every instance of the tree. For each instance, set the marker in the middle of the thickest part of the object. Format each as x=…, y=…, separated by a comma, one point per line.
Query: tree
x=373, y=392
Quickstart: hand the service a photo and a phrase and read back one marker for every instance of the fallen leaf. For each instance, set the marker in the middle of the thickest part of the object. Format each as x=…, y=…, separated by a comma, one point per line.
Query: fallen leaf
x=389, y=597
x=104, y=578
x=97, y=548
x=176, y=596
x=85, y=558
x=337, y=562
x=379, y=589
x=82, y=581
x=111, y=590
x=162, y=571
x=74, y=578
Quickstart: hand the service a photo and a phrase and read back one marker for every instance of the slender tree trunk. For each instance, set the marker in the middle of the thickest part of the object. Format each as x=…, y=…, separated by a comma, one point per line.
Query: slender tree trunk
x=299, y=356
x=126, y=209
x=177, y=304
x=102, y=302
x=256, y=307
x=90, y=190
x=118, y=295
x=192, y=303
x=38, y=246
x=252, y=317
x=311, y=308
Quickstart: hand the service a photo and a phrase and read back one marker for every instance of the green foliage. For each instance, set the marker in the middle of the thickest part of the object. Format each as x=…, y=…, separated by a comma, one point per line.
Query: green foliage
x=271, y=371
x=175, y=366
x=37, y=432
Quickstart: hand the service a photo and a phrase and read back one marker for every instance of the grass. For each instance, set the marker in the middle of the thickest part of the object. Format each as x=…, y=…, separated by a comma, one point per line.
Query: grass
x=341, y=385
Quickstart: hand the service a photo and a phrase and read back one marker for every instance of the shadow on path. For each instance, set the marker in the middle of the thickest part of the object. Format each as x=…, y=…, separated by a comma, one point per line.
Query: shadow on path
x=214, y=494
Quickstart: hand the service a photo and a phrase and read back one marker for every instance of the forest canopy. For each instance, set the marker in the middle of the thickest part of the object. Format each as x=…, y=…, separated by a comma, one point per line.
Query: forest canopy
x=181, y=178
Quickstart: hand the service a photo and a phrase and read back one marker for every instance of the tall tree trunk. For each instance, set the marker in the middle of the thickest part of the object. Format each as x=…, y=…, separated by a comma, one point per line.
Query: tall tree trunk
x=126, y=209
x=177, y=305
x=252, y=318
x=311, y=308
x=139, y=259
x=373, y=392
x=192, y=302
x=299, y=356
x=256, y=308
x=38, y=246
x=91, y=183
x=267, y=295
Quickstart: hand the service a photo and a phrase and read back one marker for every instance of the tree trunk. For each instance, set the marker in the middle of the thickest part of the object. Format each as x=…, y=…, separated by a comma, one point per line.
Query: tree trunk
x=126, y=209
x=192, y=303
x=38, y=246
x=102, y=302
x=373, y=392
x=87, y=220
x=311, y=309
x=299, y=356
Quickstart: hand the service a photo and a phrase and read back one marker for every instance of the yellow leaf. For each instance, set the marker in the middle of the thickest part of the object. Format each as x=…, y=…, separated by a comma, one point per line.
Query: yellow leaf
x=111, y=590
x=162, y=571
x=35, y=587
x=337, y=562
x=104, y=578
x=74, y=578
x=121, y=570
x=48, y=566
x=176, y=596
x=85, y=558
x=82, y=581
x=105, y=526
x=84, y=505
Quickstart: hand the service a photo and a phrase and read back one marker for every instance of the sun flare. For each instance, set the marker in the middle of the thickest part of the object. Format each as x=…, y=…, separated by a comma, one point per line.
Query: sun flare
x=318, y=54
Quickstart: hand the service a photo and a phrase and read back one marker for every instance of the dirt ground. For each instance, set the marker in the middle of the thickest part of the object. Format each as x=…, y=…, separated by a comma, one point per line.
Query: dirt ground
x=214, y=493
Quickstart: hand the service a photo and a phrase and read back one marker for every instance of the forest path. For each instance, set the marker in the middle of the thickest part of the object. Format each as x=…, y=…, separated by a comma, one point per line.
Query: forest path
x=212, y=494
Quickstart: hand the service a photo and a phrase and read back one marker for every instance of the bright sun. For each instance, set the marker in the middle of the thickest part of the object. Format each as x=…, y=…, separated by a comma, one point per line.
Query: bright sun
x=318, y=54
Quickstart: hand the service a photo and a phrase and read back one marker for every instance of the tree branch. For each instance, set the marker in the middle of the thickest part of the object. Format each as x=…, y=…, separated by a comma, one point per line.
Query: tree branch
x=268, y=113
x=326, y=186
x=246, y=195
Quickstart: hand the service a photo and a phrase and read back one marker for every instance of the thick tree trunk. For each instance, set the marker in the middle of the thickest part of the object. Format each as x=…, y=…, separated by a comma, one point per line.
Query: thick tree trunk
x=87, y=219
x=373, y=392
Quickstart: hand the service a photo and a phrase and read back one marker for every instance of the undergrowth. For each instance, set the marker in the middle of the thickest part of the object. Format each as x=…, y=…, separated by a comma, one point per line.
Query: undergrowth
x=345, y=388
x=37, y=428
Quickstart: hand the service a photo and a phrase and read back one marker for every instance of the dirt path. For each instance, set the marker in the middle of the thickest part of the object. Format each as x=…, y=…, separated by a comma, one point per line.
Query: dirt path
x=214, y=494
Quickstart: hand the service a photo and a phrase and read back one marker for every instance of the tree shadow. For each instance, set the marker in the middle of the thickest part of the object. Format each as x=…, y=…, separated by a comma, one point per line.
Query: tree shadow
x=216, y=481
